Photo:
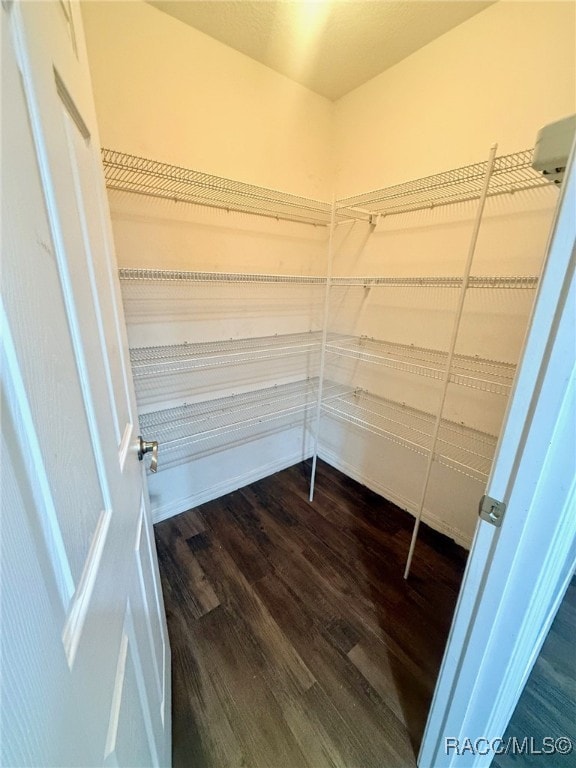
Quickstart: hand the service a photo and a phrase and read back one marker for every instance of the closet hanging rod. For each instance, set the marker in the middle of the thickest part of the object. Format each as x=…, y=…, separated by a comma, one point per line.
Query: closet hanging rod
x=129, y=173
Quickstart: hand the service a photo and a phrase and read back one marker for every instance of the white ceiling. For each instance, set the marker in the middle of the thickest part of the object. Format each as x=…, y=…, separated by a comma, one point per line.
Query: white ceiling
x=330, y=46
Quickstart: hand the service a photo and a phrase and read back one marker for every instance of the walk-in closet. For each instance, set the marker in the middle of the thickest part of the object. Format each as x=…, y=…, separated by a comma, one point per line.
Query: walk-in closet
x=335, y=288
x=393, y=375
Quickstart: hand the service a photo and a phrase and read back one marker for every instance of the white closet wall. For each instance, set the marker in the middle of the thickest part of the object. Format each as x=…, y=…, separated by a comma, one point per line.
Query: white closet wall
x=498, y=77
x=168, y=92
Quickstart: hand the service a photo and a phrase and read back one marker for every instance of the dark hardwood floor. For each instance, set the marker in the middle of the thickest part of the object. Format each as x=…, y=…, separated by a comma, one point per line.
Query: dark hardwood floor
x=296, y=643
x=547, y=706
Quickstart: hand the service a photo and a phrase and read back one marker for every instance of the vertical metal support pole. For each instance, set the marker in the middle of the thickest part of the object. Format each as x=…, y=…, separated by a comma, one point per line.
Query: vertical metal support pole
x=323, y=345
x=451, y=348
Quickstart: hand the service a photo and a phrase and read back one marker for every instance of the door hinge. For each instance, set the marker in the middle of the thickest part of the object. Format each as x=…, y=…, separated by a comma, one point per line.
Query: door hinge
x=492, y=510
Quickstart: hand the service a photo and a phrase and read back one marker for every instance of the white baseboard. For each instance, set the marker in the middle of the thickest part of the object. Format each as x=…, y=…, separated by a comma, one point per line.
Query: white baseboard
x=408, y=504
x=178, y=506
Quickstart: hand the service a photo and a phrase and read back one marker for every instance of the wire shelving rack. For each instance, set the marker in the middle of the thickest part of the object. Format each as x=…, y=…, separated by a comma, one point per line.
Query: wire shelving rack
x=469, y=371
x=461, y=448
x=498, y=282
x=508, y=174
x=154, y=295
x=202, y=427
x=182, y=276
x=195, y=429
x=185, y=358
x=511, y=173
x=129, y=173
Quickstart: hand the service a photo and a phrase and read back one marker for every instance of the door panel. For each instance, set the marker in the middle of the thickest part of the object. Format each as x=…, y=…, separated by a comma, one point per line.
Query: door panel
x=76, y=500
x=93, y=275
x=147, y=590
x=130, y=740
x=34, y=304
x=148, y=646
x=34, y=669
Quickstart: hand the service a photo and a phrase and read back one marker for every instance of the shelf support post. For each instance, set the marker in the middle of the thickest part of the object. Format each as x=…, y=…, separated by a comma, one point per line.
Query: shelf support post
x=325, y=318
x=451, y=350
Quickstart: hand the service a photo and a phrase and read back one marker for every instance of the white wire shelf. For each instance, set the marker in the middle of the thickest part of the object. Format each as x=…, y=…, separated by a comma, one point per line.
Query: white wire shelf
x=129, y=173
x=512, y=173
x=183, y=358
x=212, y=303
x=469, y=371
x=460, y=448
x=494, y=281
x=167, y=276
x=200, y=428
x=176, y=276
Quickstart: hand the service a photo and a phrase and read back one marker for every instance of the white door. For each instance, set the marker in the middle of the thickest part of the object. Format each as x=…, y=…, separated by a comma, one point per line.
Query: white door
x=517, y=574
x=85, y=655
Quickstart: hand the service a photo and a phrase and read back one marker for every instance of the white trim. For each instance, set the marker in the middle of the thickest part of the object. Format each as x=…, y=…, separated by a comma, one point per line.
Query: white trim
x=178, y=506
x=410, y=505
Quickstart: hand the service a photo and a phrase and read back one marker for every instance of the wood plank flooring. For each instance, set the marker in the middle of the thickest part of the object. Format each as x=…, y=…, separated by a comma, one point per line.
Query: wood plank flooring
x=296, y=643
x=547, y=706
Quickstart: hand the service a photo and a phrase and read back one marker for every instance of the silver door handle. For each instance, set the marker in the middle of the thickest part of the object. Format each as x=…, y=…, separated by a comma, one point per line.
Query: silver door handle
x=148, y=446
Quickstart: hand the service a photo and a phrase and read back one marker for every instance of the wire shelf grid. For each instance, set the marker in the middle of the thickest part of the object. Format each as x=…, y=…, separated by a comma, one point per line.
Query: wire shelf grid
x=180, y=276
x=512, y=173
x=373, y=281
x=189, y=430
x=515, y=282
x=463, y=449
x=469, y=371
x=130, y=173
x=180, y=358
